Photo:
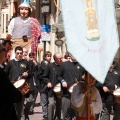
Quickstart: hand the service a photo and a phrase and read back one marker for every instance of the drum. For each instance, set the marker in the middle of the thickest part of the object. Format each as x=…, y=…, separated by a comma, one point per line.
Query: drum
x=57, y=89
x=116, y=94
x=71, y=88
x=22, y=86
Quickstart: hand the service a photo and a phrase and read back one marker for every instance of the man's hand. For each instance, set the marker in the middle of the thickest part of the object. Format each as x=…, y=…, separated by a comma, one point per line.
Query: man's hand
x=40, y=48
x=25, y=74
x=49, y=85
x=34, y=62
x=8, y=37
x=64, y=84
x=105, y=89
x=83, y=76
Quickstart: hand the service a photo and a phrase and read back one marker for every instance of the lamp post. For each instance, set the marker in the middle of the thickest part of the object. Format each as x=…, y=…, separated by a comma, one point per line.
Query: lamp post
x=45, y=8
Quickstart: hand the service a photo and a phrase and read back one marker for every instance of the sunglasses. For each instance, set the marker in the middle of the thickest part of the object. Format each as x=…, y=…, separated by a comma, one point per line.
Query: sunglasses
x=19, y=53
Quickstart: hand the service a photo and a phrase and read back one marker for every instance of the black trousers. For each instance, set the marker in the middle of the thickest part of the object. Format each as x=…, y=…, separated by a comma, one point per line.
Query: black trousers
x=66, y=109
x=44, y=104
x=105, y=113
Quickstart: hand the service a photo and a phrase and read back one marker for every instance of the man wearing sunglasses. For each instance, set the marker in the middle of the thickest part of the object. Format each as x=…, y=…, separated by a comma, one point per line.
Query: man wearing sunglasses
x=18, y=69
x=8, y=93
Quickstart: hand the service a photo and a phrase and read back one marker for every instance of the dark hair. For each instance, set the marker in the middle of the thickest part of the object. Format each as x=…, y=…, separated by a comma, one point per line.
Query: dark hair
x=46, y=53
x=31, y=54
x=2, y=48
x=29, y=14
x=67, y=54
x=54, y=57
x=19, y=48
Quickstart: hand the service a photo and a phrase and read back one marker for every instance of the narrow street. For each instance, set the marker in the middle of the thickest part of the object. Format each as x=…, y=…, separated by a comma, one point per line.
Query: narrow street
x=37, y=111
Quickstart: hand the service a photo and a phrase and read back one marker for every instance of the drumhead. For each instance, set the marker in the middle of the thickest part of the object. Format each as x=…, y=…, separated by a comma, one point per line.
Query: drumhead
x=117, y=92
x=71, y=87
x=57, y=88
x=19, y=83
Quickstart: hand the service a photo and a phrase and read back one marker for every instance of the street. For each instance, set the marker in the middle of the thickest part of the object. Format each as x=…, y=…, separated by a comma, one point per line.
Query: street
x=38, y=111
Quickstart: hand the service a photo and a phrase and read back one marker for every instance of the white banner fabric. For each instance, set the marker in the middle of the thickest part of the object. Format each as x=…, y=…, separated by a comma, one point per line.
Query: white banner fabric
x=91, y=34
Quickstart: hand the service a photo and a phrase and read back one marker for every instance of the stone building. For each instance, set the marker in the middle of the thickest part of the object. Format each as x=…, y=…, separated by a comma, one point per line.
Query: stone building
x=55, y=40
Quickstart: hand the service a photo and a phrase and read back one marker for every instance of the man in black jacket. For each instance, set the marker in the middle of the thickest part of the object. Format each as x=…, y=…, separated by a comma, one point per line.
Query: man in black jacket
x=17, y=69
x=54, y=105
x=8, y=93
x=69, y=73
x=43, y=83
x=111, y=83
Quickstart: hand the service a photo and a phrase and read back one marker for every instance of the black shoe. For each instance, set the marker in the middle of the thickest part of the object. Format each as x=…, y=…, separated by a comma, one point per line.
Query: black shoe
x=45, y=118
x=37, y=104
x=40, y=104
x=27, y=118
x=31, y=112
x=112, y=112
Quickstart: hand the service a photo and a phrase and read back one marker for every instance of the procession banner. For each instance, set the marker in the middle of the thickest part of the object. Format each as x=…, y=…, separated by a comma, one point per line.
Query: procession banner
x=91, y=34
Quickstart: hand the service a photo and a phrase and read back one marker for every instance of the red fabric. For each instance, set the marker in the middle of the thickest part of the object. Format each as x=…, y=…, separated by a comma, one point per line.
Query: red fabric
x=8, y=55
x=35, y=34
x=84, y=118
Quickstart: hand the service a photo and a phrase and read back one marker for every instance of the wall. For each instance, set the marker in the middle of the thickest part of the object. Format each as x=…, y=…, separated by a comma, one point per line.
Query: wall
x=52, y=18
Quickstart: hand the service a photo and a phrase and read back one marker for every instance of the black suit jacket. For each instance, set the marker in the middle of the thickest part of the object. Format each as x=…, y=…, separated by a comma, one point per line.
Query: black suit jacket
x=8, y=96
x=112, y=79
x=41, y=76
x=69, y=73
x=50, y=73
x=15, y=69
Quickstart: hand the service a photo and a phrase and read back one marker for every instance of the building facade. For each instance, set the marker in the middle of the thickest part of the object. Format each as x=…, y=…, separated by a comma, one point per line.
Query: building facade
x=55, y=40
x=9, y=10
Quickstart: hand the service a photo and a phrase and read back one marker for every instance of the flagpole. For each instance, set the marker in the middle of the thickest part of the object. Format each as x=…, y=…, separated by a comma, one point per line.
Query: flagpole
x=88, y=96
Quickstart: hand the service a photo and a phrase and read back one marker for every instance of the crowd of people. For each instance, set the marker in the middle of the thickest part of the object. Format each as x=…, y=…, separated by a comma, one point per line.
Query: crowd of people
x=62, y=84
x=43, y=78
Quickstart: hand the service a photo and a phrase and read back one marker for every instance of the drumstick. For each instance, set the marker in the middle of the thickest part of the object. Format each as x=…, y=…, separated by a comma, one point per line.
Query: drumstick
x=21, y=76
x=27, y=71
x=111, y=90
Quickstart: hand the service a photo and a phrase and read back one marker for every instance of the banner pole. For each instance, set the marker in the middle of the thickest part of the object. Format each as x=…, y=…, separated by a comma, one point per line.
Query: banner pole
x=88, y=96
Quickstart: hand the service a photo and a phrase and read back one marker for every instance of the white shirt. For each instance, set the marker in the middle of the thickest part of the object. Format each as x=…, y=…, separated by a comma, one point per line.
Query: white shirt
x=11, y=27
x=12, y=22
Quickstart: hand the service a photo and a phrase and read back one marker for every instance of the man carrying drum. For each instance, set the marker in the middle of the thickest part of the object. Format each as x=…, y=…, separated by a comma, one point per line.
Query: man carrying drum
x=69, y=73
x=54, y=105
x=112, y=82
x=18, y=69
x=8, y=93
